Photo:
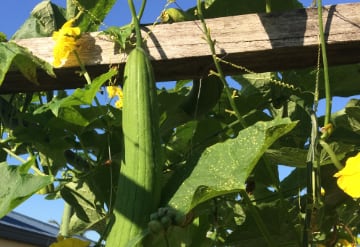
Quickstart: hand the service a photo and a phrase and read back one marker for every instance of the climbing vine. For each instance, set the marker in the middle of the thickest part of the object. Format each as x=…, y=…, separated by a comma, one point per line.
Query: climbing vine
x=208, y=154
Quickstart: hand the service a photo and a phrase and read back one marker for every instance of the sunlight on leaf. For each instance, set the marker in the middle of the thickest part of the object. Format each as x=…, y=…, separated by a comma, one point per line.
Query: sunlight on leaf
x=17, y=185
x=224, y=167
x=12, y=54
x=81, y=96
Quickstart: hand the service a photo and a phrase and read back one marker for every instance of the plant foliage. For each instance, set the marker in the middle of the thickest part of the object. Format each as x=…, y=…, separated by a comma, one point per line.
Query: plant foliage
x=222, y=179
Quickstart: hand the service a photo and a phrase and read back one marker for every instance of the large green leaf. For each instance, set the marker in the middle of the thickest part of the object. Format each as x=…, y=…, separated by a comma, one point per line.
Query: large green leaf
x=224, y=167
x=17, y=185
x=344, y=79
x=44, y=19
x=20, y=58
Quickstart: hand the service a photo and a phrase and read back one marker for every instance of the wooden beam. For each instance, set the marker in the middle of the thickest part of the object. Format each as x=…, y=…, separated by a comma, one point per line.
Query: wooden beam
x=260, y=42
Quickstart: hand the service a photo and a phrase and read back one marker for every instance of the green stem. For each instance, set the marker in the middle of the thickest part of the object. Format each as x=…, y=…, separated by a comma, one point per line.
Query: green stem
x=220, y=72
x=11, y=153
x=141, y=11
x=135, y=20
x=325, y=65
x=65, y=220
x=86, y=74
x=83, y=69
x=268, y=6
x=258, y=220
x=332, y=155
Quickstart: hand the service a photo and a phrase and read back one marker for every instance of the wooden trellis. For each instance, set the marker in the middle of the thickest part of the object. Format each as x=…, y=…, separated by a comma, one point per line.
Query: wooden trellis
x=261, y=42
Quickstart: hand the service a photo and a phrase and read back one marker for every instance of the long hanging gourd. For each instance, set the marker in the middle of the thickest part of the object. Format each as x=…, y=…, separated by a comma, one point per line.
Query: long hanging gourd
x=139, y=185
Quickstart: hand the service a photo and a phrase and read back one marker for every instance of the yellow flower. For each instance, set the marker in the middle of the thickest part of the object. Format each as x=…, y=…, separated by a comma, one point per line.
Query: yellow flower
x=119, y=104
x=344, y=243
x=349, y=177
x=116, y=91
x=112, y=91
x=65, y=42
x=70, y=242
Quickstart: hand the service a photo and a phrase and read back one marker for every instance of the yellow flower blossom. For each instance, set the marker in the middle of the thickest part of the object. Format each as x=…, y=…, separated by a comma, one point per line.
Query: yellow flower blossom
x=65, y=42
x=348, y=179
x=114, y=91
x=344, y=243
x=70, y=242
x=119, y=104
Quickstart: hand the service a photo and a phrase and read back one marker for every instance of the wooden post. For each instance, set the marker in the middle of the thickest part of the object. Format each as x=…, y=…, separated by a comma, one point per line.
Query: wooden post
x=260, y=42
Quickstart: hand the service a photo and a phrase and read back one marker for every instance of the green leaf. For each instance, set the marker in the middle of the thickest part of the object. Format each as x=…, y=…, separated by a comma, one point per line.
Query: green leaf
x=95, y=12
x=88, y=214
x=17, y=185
x=280, y=218
x=3, y=37
x=72, y=115
x=171, y=15
x=44, y=19
x=344, y=79
x=349, y=118
x=255, y=91
x=88, y=198
x=81, y=96
x=347, y=123
x=224, y=167
x=294, y=157
x=120, y=34
x=12, y=54
x=340, y=149
x=294, y=182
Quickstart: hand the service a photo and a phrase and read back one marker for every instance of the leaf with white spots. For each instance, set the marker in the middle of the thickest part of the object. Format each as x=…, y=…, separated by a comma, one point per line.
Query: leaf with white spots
x=224, y=167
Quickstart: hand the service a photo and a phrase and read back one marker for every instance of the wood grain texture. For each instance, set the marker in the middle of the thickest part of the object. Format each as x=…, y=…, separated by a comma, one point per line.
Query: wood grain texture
x=260, y=42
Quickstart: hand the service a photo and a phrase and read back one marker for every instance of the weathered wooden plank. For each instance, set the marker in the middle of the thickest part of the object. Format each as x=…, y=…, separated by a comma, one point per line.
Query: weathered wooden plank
x=260, y=42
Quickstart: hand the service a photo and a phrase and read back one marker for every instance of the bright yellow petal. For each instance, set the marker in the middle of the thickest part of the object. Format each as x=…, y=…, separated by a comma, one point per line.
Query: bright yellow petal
x=345, y=243
x=111, y=91
x=69, y=23
x=352, y=167
x=119, y=104
x=65, y=42
x=348, y=179
x=350, y=185
x=120, y=93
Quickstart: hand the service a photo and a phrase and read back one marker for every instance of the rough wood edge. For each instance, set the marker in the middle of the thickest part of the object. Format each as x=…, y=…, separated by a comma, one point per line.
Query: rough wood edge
x=261, y=42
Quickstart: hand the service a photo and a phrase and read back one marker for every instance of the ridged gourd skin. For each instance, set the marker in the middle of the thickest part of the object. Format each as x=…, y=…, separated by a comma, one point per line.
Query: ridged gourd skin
x=138, y=192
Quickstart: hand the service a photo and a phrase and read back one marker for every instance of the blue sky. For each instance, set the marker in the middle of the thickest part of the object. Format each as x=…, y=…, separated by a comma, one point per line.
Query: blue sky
x=14, y=12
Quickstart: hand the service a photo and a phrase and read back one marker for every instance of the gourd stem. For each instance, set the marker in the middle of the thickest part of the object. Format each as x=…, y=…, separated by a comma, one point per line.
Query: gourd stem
x=325, y=65
x=135, y=21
